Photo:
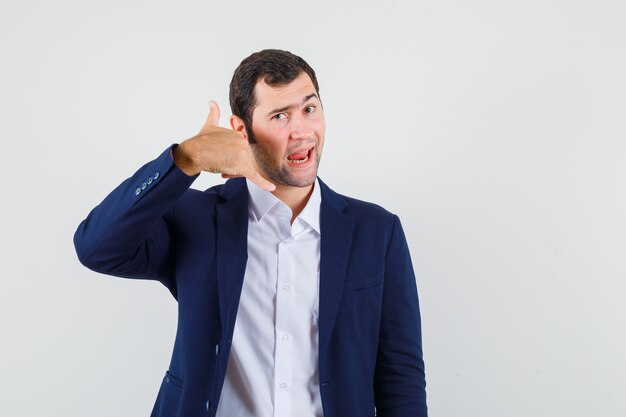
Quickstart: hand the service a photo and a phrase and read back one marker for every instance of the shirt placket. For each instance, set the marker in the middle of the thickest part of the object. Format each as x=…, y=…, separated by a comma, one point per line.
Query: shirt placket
x=283, y=353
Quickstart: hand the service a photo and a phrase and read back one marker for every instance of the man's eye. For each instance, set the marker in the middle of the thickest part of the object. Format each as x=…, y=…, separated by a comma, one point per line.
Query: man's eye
x=279, y=116
x=310, y=109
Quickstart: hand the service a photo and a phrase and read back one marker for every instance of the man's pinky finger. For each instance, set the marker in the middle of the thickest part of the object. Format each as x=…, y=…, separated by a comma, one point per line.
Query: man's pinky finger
x=262, y=182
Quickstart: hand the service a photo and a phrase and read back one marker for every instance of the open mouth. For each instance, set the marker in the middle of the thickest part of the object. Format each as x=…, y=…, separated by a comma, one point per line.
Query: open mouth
x=300, y=157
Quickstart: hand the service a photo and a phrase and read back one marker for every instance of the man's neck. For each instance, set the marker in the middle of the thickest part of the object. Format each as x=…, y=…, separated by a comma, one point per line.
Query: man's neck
x=295, y=197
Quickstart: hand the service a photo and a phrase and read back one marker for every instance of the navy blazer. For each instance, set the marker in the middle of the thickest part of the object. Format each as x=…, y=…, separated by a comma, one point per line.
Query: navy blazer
x=153, y=226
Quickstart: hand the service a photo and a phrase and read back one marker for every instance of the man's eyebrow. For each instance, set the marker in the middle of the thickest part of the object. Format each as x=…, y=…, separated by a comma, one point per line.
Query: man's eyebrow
x=291, y=106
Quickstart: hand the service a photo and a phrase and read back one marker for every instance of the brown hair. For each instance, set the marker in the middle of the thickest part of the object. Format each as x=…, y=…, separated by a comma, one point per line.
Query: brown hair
x=276, y=68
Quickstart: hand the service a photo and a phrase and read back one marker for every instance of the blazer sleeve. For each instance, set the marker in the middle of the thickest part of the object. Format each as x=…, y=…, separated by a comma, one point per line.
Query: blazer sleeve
x=128, y=234
x=399, y=380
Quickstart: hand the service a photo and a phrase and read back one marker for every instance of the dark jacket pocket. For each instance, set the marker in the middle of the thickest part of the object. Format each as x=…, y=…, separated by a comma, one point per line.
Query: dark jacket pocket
x=168, y=403
x=174, y=380
x=362, y=283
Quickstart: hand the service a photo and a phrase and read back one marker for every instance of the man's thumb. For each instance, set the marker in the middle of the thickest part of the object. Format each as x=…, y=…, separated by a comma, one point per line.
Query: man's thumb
x=213, y=119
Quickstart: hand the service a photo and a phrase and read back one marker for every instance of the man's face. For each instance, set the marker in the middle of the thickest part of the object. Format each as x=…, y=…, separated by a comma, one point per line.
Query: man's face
x=288, y=125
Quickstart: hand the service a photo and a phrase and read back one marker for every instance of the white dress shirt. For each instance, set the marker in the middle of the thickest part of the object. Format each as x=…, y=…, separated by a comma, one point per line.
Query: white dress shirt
x=272, y=368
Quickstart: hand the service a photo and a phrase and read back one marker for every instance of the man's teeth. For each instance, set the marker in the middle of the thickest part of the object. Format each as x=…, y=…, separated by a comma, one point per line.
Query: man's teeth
x=300, y=161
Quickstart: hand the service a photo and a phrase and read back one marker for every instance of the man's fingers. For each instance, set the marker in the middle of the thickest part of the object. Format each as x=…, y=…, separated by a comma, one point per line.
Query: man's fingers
x=255, y=178
x=213, y=119
x=261, y=182
x=228, y=153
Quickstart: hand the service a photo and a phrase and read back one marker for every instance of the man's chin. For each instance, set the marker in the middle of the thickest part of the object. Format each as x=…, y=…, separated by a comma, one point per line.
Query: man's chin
x=297, y=181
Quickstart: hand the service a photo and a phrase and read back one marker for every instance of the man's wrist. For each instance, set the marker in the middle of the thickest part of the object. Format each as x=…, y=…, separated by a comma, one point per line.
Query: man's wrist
x=183, y=161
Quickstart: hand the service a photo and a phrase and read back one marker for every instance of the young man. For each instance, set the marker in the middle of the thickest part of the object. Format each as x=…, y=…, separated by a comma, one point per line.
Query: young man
x=294, y=301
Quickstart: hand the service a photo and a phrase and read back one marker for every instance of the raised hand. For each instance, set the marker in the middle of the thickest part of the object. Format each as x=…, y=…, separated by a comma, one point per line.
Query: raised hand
x=219, y=150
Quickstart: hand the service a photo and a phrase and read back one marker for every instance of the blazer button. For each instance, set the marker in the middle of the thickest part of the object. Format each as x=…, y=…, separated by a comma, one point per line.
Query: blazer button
x=156, y=175
x=217, y=349
x=137, y=191
x=208, y=405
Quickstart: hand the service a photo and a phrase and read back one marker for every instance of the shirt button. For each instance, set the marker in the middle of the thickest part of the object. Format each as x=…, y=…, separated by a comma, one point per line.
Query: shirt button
x=285, y=337
x=283, y=385
x=285, y=287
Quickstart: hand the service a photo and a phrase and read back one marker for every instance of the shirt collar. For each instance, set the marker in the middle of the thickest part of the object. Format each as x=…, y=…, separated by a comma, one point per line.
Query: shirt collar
x=311, y=212
x=262, y=201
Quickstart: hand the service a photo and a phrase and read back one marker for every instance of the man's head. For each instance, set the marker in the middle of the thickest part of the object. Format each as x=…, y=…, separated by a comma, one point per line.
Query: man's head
x=276, y=68
x=274, y=98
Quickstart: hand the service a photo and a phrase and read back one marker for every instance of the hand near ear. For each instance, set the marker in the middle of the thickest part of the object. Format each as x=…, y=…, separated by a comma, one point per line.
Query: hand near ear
x=219, y=150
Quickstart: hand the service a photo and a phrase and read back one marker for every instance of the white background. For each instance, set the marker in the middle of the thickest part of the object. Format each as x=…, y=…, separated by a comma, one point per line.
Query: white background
x=494, y=129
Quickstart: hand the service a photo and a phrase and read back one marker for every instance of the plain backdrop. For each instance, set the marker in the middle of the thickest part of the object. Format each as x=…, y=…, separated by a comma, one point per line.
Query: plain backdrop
x=496, y=130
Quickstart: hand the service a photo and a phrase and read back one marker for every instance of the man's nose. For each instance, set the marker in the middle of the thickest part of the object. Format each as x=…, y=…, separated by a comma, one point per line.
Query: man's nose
x=301, y=129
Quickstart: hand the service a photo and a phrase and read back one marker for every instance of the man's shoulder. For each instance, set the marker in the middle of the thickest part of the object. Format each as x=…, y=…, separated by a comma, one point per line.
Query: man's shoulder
x=356, y=207
x=220, y=192
x=213, y=193
x=194, y=199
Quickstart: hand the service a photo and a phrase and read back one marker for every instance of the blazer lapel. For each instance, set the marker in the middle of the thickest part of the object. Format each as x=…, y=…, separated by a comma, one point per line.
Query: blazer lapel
x=336, y=239
x=232, y=248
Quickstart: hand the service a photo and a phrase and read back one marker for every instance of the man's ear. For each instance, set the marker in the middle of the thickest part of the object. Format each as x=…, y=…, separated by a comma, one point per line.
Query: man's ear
x=238, y=125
